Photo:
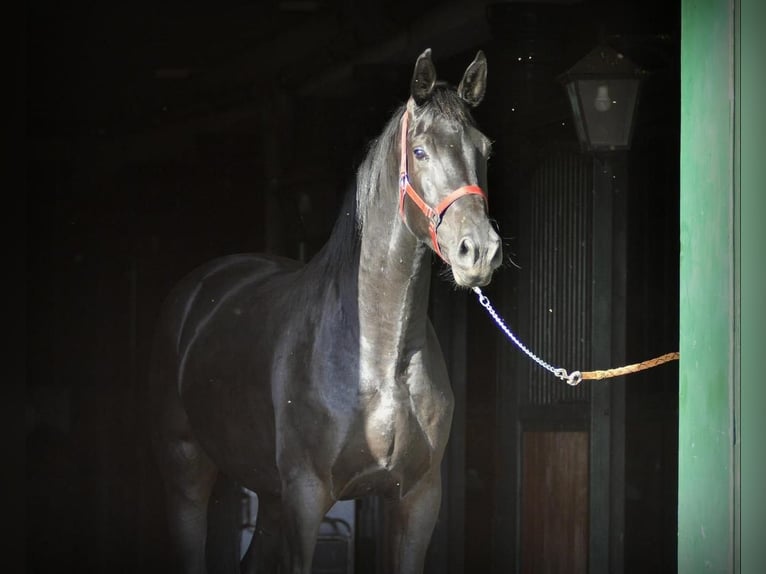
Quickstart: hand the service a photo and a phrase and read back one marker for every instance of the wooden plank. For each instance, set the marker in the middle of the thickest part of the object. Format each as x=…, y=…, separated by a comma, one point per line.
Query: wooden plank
x=554, y=513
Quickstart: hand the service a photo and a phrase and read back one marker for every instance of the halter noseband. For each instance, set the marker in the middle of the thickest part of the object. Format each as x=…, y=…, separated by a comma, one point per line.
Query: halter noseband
x=433, y=214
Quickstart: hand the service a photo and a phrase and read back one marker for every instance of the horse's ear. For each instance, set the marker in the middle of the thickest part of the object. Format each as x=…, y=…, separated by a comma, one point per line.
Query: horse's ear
x=423, y=78
x=474, y=82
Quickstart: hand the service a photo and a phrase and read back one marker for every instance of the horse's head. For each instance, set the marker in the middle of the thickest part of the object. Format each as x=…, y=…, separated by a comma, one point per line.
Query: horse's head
x=443, y=172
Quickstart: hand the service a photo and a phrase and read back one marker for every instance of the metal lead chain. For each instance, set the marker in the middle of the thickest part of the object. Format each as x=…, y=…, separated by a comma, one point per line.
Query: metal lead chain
x=572, y=378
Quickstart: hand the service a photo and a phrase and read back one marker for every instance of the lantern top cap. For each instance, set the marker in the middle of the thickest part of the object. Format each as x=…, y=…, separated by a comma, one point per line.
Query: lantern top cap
x=602, y=62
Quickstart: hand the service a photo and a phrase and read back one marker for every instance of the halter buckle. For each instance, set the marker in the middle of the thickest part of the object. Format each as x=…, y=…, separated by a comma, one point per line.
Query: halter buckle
x=434, y=218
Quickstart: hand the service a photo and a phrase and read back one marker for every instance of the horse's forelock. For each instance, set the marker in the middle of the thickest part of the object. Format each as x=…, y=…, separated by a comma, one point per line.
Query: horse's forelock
x=444, y=104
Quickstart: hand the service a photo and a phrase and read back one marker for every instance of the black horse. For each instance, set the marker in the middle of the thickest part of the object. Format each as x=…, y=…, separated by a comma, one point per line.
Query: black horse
x=314, y=383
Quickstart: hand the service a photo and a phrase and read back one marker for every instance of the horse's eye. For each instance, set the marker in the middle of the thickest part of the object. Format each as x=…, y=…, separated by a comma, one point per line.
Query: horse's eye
x=419, y=153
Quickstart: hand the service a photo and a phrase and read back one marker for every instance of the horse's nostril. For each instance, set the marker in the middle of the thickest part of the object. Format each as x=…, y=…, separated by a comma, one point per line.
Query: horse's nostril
x=496, y=254
x=497, y=258
x=465, y=247
x=467, y=251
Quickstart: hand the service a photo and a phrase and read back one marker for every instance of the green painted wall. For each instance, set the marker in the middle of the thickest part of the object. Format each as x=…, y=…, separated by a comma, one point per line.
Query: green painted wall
x=722, y=395
x=750, y=260
x=705, y=457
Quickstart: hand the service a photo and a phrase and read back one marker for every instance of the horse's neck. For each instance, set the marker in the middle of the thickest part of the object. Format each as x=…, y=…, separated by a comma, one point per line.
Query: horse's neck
x=391, y=281
x=393, y=285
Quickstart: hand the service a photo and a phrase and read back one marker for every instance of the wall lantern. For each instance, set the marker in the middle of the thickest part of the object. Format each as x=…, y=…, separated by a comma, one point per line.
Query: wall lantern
x=603, y=91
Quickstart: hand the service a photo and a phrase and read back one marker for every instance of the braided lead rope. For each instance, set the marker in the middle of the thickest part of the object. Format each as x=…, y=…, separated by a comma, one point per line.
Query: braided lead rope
x=628, y=369
x=575, y=377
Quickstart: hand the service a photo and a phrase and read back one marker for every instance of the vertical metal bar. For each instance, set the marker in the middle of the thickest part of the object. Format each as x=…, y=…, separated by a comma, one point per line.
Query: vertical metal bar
x=457, y=446
x=601, y=338
x=620, y=190
x=446, y=553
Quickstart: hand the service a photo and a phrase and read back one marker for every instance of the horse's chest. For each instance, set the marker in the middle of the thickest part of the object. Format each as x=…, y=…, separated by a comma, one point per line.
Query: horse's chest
x=395, y=443
x=391, y=429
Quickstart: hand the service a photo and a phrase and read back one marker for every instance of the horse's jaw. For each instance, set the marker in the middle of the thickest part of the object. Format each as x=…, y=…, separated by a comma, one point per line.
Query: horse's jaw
x=471, y=280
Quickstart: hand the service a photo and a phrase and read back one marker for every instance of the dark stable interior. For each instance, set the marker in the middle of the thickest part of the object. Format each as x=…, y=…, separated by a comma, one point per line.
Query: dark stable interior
x=161, y=136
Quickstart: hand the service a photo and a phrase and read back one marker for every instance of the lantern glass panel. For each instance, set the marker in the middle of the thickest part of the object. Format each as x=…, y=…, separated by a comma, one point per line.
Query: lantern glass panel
x=606, y=110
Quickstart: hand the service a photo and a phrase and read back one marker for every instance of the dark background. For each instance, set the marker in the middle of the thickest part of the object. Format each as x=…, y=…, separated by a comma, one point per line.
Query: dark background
x=161, y=135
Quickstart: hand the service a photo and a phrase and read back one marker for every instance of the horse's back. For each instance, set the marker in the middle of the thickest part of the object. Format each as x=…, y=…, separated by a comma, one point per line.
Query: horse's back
x=202, y=292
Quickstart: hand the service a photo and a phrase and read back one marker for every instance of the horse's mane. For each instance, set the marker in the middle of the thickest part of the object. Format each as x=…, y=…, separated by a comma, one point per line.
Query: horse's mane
x=379, y=170
x=380, y=165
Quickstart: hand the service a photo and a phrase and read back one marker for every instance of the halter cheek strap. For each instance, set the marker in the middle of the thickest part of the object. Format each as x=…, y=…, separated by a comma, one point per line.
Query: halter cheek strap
x=433, y=214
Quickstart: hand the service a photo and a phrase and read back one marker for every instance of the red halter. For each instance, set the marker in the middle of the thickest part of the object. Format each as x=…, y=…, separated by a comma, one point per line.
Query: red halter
x=433, y=214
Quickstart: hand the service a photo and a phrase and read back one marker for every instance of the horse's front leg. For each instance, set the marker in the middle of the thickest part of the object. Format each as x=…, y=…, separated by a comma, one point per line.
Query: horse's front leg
x=189, y=476
x=262, y=556
x=305, y=501
x=410, y=522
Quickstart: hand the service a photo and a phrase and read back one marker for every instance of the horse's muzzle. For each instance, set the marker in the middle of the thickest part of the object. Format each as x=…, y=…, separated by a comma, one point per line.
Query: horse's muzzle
x=475, y=257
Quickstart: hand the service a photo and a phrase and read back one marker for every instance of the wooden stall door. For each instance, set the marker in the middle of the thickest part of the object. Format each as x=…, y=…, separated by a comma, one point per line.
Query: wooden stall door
x=554, y=501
